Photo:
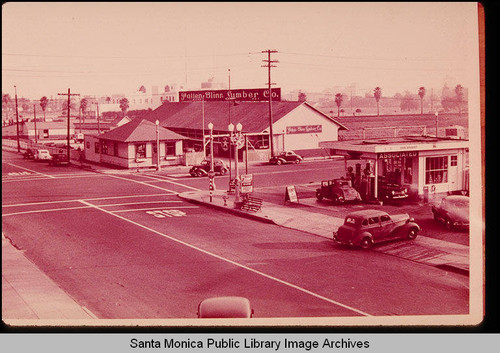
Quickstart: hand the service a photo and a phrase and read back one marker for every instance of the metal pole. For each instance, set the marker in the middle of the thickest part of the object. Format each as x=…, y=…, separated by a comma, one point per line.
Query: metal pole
x=212, y=180
x=246, y=155
x=98, y=122
x=17, y=123
x=34, y=118
x=158, y=145
x=203, y=125
x=436, y=123
x=69, y=102
x=271, y=143
x=230, y=149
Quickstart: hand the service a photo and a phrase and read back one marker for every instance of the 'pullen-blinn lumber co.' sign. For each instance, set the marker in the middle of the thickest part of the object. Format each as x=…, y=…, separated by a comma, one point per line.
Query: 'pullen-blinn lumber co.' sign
x=254, y=94
x=306, y=129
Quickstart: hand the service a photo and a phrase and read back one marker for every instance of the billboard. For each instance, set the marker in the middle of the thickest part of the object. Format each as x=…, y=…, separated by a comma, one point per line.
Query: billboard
x=252, y=94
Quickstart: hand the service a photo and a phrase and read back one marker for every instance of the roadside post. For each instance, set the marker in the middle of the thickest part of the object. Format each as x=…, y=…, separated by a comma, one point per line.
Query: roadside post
x=211, y=173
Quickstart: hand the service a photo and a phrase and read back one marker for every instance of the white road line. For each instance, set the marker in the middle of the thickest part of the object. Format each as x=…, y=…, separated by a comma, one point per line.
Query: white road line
x=91, y=199
x=32, y=171
x=230, y=261
x=155, y=208
x=170, y=181
x=144, y=183
x=140, y=202
x=42, y=211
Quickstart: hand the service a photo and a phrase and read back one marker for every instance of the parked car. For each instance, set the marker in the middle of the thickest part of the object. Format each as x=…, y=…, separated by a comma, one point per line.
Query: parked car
x=42, y=155
x=367, y=227
x=286, y=157
x=29, y=154
x=391, y=191
x=59, y=159
x=203, y=168
x=337, y=190
x=453, y=211
x=225, y=307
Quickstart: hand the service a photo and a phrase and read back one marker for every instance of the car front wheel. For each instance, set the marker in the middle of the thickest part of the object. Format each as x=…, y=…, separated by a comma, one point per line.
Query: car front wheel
x=278, y=162
x=412, y=233
x=366, y=243
x=319, y=195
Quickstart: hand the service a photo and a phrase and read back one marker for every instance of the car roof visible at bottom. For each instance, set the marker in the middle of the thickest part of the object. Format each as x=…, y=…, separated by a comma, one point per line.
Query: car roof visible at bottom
x=366, y=213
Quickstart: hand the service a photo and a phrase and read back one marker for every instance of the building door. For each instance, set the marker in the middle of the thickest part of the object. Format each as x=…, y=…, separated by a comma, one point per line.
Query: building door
x=453, y=173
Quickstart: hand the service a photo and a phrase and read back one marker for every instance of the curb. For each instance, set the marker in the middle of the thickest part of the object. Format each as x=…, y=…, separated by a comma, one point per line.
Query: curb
x=229, y=210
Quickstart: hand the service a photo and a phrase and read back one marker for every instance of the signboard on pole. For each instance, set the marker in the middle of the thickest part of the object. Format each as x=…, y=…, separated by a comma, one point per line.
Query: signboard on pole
x=246, y=183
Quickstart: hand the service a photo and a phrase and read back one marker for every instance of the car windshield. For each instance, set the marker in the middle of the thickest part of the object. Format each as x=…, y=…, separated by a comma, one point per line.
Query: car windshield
x=350, y=220
x=343, y=183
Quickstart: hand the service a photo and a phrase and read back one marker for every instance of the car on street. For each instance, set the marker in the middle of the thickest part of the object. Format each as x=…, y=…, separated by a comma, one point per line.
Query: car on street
x=453, y=211
x=42, y=155
x=286, y=157
x=59, y=159
x=29, y=154
x=338, y=190
x=225, y=307
x=391, y=191
x=367, y=227
x=203, y=168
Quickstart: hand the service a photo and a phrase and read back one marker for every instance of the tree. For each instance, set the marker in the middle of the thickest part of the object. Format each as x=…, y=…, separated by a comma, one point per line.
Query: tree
x=5, y=103
x=43, y=103
x=408, y=102
x=142, y=89
x=83, y=107
x=108, y=99
x=421, y=93
x=124, y=105
x=377, y=93
x=302, y=97
x=338, y=101
x=459, y=93
x=65, y=107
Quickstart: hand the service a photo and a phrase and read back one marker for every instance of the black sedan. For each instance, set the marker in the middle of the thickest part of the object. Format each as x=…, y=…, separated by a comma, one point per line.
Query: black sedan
x=453, y=211
x=286, y=157
x=203, y=168
x=390, y=191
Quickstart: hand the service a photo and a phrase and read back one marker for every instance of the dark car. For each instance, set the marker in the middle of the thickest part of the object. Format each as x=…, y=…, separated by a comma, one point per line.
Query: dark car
x=367, y=227
x=337, y=190
x=453, y=211
x=286, y=157
x=59, y=159
x=29, y=154
x=225, y=307
x=203, y=168
x=391, y=191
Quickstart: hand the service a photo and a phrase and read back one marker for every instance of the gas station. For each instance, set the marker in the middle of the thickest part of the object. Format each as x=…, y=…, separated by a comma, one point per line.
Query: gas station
x=426, y=165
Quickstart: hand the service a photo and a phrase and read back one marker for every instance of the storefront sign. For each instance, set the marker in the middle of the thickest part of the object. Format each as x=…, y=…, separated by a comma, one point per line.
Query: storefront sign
x=306, y=129
x=392, y=155
x=253, y=94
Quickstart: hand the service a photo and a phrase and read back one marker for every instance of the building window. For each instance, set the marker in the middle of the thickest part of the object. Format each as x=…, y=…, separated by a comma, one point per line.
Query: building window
x=88, y=145
x=97, y=147
x=115, y=149
x=436, y=170
x=140, y=150
x=46, y=133
x=104, y=148
x=453, y=161
x=170, y=148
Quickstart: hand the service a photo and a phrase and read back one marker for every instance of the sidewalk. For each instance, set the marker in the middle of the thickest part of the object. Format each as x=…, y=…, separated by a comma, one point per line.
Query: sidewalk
x=29, y=294
x=303, y=217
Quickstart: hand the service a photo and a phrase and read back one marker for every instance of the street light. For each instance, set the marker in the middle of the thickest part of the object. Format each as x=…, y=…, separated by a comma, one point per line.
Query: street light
x=211, y=173
x=235, y=138
x=436, y=114
x=157, y=122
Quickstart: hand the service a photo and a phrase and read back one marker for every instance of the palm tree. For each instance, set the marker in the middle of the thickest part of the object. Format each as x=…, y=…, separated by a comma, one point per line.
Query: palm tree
x=5, y=103
x=124, y=105
x=377, y=93
x=43, y=103
x=459, y=92
x=83, y=107
x=421, y=93
x=338, y=101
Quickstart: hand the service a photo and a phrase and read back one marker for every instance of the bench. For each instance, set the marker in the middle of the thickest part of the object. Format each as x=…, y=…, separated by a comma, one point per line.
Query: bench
x=251, y=204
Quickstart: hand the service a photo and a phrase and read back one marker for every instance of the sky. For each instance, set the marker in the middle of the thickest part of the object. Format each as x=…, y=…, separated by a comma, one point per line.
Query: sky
x=111, y=48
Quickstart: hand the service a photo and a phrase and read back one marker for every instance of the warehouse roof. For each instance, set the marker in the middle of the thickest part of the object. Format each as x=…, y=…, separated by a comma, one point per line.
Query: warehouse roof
x=140, y=130
x=254, y=116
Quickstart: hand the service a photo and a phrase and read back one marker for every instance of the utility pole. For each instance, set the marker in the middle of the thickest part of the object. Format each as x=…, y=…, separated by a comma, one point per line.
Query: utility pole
x=269, y=83
x=17, y=123
x=69, y=94
x=34, y=120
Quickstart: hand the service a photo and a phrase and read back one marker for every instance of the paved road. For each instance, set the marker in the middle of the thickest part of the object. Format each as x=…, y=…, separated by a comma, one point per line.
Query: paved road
x=125, y=246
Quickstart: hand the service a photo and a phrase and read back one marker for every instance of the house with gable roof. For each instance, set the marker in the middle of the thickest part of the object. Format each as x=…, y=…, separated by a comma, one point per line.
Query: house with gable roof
x=133, y=145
